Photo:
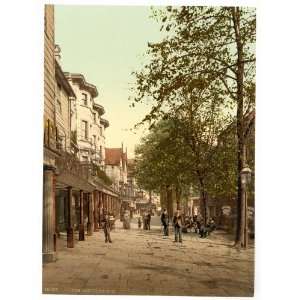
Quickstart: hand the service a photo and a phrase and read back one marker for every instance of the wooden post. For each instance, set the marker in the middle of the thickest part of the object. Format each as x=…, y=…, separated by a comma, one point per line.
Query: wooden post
x=105, y=202
x=70, y=232
x=100, y=207
x=56, y=231
x=109, y=203
x=81, y=222
x=96, y=210
x=90, y=214
x=113, y=205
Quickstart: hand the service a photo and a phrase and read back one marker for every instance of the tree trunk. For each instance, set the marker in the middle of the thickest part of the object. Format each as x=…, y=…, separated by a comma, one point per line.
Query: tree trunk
x=203, y=196
x=169, y=201
x=240, y=221
x=163, y=197
x=178, y=195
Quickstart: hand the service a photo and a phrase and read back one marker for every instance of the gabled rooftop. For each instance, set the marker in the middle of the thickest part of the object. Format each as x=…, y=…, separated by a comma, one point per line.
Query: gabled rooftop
x=113, y=156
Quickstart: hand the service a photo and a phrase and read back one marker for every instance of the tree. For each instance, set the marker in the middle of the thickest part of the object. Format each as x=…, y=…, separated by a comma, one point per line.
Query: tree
x=163, y=161
x=209, y=50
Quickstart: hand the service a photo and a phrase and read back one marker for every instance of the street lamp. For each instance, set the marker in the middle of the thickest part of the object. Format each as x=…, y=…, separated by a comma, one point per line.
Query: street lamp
x=246, y=175
x=245, y=180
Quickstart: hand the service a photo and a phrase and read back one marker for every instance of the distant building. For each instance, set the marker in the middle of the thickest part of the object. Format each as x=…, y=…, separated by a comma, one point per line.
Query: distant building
x=116, y=168
x=131, y=181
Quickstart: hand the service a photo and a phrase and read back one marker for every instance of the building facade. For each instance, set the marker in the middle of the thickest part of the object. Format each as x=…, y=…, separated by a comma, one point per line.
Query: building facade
x=116, y=168
x=75, y=195
x=49, y=145
x=88, y=125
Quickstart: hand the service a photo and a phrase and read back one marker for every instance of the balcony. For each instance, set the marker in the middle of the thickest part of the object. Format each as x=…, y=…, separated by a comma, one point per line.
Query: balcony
x=104, y=122
x=99, y=108
x=83, y=138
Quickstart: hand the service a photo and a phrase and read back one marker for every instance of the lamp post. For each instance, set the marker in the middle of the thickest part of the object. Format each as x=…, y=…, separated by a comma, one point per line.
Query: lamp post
x=245, y=180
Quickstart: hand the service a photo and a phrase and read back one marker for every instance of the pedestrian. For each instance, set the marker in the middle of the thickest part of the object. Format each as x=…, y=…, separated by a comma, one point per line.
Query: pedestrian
x=148, y=220
x=177, y=222
x=165, y=222
x=199, y=219
x=195, y=224
x=106, y=227
x=144, y=221
x=126, y=220
x=139, y=222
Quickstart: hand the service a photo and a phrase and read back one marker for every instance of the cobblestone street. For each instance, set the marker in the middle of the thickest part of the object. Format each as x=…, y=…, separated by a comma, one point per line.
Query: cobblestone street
x=145, y=263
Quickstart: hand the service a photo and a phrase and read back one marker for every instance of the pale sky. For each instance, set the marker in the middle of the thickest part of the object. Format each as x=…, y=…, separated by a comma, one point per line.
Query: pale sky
x=105, y=44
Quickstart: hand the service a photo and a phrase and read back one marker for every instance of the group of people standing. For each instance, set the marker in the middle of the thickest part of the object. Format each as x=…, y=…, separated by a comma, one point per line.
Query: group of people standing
x=146, y=221
x=180, y=223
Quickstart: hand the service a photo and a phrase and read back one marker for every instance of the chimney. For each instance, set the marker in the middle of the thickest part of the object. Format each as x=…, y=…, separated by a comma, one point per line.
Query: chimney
x=57, y=52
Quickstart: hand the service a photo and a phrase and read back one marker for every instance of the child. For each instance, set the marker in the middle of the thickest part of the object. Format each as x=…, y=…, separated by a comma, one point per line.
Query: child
x=139, y=222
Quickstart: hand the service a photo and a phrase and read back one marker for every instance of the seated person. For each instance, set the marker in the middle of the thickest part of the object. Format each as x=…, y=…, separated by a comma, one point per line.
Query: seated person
x=211, y=225
x=203, y=230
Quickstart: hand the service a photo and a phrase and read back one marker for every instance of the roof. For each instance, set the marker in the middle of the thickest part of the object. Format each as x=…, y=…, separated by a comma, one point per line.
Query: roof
x=79, y=78
x=113, y=156
x=61, y=78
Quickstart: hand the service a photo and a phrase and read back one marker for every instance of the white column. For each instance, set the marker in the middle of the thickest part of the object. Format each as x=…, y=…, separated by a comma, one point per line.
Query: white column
x=48, y=215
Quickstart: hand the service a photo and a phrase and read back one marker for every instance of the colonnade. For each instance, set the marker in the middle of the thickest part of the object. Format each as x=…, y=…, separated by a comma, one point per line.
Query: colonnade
x=96, y=203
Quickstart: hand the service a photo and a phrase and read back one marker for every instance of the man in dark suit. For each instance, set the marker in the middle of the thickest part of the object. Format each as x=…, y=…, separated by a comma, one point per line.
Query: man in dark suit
x=165, y=222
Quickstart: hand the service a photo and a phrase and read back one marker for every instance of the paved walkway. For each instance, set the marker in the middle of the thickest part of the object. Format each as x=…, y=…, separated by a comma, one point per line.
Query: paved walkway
x=145, y=263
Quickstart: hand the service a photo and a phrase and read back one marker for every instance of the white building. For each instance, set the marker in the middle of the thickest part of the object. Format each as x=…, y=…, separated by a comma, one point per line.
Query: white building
x=88, y=126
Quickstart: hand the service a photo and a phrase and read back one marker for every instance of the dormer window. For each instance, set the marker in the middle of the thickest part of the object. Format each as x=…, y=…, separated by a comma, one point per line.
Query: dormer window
x=84, y=99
